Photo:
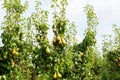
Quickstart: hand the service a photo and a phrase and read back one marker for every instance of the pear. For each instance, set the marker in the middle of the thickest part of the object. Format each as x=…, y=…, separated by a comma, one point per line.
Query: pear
x=58, y=38
x=55, y=76
x=60, y=42
x=47, y=50
x=63, y=42
x=59, y=75
x=38, y=39
x=14, y=52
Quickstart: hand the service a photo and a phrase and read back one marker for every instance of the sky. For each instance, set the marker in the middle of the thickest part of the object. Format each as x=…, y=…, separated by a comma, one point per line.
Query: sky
x=107, y=11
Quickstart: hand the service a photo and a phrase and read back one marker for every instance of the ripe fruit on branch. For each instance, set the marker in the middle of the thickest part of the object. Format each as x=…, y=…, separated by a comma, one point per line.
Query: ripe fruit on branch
x=63, y=42
x=38, y=39
x=47, y=50
x=60, y=42
x=55, y=76
x=14, y=52
x=58, y=38
x=59, y=75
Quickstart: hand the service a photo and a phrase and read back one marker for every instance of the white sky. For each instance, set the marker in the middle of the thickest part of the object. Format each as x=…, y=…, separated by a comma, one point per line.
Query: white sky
x=108, y=13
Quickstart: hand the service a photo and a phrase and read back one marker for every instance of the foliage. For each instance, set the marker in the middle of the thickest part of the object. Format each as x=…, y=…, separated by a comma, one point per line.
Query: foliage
x=85, y=56
x=28, y=54
x=111, y=55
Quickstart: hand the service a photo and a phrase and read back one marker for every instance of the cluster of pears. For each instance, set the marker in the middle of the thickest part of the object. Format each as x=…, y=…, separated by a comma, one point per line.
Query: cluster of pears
x=57, y=75
x=14, y=53
x=117, y=61
x=59, y=40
